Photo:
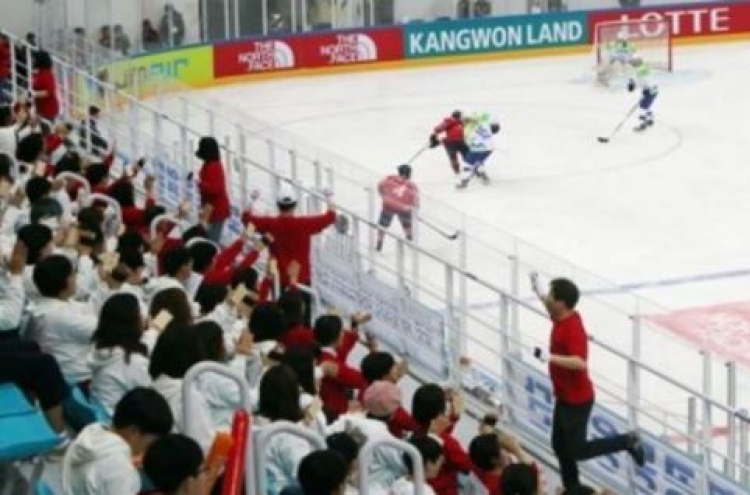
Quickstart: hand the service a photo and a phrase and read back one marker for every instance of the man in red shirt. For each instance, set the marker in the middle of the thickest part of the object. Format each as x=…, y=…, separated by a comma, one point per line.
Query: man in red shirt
x=573, y=389
x=454, y=143
x=44, y=87
x=400, y=198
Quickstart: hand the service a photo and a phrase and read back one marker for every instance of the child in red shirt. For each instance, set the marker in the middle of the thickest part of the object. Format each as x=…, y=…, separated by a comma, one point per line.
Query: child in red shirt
x=45, y=87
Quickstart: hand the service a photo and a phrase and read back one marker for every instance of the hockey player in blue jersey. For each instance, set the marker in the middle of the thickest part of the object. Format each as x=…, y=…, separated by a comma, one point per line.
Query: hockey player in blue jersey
x=479, y=130
x=649, y=91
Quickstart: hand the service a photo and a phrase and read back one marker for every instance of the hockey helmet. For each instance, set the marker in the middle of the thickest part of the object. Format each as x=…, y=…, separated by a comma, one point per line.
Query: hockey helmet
x=404, y=170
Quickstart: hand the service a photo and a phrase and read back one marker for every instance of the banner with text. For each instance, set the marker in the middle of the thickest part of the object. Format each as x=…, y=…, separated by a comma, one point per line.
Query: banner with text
x=495, y=34
x=405, y=326
x=693, y=20
x=255, y=56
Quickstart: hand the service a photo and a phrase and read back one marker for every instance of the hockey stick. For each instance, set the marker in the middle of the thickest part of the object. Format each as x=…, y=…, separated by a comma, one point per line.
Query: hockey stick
x=619, y=126
x=418, y=153
x=447, y=235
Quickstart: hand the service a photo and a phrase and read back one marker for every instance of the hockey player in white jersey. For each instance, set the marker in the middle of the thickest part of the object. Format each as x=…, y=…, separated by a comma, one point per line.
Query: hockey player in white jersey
x=649, y=91
x=479, y=130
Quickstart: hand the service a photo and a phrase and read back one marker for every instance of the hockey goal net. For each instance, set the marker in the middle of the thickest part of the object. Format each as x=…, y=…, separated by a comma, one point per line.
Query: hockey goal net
x=649, y=40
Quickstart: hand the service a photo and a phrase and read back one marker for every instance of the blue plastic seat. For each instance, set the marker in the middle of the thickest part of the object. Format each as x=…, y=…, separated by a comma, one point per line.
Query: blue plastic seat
x=80, y=412
x=42, y=488
x=25, y=435
x=13, y=402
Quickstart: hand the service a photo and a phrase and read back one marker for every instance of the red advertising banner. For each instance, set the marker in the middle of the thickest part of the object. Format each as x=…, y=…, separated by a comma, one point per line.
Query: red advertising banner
x=697, y=20
x=242, y=57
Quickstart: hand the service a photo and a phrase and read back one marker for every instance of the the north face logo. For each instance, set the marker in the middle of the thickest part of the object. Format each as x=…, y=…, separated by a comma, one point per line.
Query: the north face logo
x=268, y=55
x=350, y=48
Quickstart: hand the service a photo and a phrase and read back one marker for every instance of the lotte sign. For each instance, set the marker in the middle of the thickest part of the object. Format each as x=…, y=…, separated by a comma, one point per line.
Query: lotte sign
x=701, y=20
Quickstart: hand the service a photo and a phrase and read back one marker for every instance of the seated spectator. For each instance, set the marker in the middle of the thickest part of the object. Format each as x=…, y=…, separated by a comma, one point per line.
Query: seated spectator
x=336, y=344
x=119, y=360
x=172, y=27
x=177, y=350
x=175, y=306
x=100, y=460
x=265, y=325
x=432, y=460
x=12, y=294
x=149, y=36
x=490, y=454
x=302, y=361
x=296, y=333
x=523, y=479
x=38, y=242
x=348, y=446
x=126, y=278
x=63, y=327
x=323, y=472
x=380, y=365
x=174, y=464
x=430, y=411
x=280, y=401
x=178, y=269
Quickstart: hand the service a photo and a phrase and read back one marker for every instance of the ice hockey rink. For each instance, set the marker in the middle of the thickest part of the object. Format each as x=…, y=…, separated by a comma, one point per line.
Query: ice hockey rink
x=663, y=213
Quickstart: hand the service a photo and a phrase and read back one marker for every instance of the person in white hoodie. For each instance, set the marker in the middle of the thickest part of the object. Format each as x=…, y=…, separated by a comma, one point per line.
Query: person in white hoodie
x=119, y=360
x=63, y=327
x=100, y=460
x=172, y=301
x=177, y=350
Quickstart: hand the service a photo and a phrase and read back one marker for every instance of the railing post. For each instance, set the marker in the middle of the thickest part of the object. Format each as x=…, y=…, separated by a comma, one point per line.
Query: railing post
x=211, y=122
x=692, y=420
x=294, y=172
x=400, y=265
x=318, y=175
x=515, y=289
x=744, y=454
x=414, y=254
x=634, y=382
x=271, y=155
x=373, y=233
x=706, y=422
x=731, y=419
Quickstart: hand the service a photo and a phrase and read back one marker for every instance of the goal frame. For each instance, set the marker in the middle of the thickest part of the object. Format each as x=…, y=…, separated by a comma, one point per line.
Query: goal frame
x=633, y=25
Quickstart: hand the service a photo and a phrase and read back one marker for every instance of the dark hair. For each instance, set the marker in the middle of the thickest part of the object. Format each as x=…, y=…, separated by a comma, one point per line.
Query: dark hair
x=211, y=337
x=91, y=215
x=131, y=240
x=145, y=409
x=266, y=322
x=51, y=275
x=328, y=329
x=522, y=479
x=301, y=360
x=292, y=305
x=177, y=350
x=208, y=150
x=377, y=365
x=42, y=60
x=344, y=444
x=171, y=460
x=70, y=162
x=123, y=192
x=427, y=446
x=37, y=188
x=484, y=451
x=45, y=207
x=247, y=276
x=428, y=403
x=279, y=394
x=194, y=232
x=35, y=237
x=322, y=471
x=120, y=325
x=202, y=254
x=208, y=296
x=6, y=167
x=153, y=212
x=174, y=259
x=132, y=258
x=96, y=173
x=565, y=291
x=95, y=235
x=175, y=301
x=30, y=148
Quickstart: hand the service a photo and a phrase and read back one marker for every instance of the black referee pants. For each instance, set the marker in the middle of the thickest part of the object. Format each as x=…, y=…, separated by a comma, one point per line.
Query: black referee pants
x=570, y=444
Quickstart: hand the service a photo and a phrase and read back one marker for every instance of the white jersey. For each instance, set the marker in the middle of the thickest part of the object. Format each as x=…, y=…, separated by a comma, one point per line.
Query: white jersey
x=479, y=136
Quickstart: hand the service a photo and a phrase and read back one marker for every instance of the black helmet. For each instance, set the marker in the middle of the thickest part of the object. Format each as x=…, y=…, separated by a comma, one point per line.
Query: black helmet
x=404, y=170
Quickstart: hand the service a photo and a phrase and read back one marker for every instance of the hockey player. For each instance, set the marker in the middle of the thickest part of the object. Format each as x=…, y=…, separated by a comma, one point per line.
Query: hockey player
x=400, y=198
x=479, y=130
x=620, y=52
x=649, y=92
x=453, y=128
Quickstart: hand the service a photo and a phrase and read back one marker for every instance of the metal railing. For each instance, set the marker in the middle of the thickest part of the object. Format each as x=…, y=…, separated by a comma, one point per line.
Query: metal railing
x=624, y=368
x=367, y=451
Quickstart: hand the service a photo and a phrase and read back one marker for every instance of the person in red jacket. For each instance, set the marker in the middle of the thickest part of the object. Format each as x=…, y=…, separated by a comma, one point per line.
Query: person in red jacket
x=336, y=344
x=400, y=198
x=44, y=87
x=381, y=366
x=572, y=387
x=453, y=128
x=212, y=186
x=6, y=96
x=429, y=406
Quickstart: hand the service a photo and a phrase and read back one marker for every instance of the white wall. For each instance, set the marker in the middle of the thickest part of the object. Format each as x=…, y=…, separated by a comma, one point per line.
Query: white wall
x=17, y=16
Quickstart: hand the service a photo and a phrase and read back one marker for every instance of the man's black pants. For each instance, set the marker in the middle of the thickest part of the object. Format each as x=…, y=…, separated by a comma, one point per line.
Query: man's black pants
x=569, y=441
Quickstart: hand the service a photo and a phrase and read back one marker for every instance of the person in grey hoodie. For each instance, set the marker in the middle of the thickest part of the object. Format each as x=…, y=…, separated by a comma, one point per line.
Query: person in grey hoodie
x=100, y=460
